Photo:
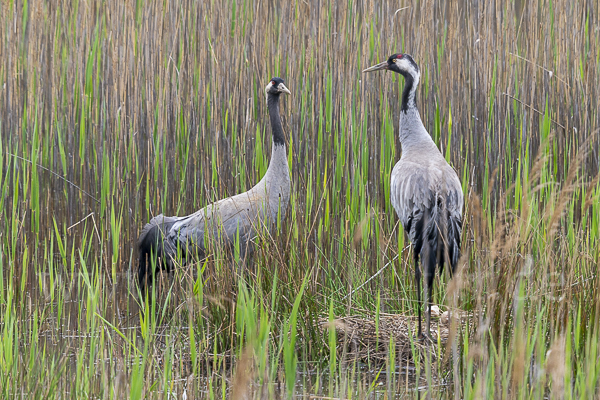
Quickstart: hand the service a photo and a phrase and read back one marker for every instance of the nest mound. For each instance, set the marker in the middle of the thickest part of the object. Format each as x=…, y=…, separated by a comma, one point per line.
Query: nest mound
x=362, y=339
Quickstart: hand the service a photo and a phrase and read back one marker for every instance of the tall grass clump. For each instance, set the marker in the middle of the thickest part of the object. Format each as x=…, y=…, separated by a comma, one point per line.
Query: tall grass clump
x=112, y=112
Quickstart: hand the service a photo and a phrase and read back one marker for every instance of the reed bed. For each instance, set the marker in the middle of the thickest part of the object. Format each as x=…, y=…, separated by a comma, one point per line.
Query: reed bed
x=113, y=112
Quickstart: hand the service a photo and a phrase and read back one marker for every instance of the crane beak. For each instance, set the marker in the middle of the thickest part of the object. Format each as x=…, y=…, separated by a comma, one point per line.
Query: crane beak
x=284, y=89
x=377, y=67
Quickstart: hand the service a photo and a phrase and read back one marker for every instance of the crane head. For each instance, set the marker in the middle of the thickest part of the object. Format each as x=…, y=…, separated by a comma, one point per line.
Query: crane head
x=276, y=87
x=400, y=63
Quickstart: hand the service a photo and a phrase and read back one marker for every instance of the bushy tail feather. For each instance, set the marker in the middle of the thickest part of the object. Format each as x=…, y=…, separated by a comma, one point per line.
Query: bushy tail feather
x=441, y=242
x=453, y=239
x=153, y=243
x=429, y=251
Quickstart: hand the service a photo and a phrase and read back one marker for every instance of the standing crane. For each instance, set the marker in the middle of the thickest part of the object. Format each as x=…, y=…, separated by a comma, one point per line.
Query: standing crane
x=237, y=218
x=426, y=192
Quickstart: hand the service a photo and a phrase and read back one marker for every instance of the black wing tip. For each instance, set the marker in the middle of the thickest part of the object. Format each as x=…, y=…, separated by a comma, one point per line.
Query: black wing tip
x=147, y=229
x=142, y=272
x=430, y=244
x=147, y=243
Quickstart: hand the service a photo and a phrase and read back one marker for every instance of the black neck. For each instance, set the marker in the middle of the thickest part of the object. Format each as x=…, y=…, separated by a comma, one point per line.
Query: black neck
x=273, y=105
x=408, y=99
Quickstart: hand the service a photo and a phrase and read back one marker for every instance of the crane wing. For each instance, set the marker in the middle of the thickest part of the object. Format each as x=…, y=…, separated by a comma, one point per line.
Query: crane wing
x=224, y=220
x=419, y=190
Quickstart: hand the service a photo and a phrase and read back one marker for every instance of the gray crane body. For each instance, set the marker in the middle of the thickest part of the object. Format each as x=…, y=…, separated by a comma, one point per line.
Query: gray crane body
x=234, y=219
x=243, y=214
x=425, y=191
x=426, y=194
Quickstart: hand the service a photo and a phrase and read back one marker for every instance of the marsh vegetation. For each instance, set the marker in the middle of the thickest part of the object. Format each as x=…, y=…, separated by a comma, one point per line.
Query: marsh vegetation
x=114, y=112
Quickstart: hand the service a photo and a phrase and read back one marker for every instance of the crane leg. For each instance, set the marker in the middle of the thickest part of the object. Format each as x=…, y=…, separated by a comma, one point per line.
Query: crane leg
x=429, y=296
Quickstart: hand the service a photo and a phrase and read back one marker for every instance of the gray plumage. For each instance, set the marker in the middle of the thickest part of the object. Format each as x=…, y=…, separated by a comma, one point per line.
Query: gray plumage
x=425, y=191
x=237, y=218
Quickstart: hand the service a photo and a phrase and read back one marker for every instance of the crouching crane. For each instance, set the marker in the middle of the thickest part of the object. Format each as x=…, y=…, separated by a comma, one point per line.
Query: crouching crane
x=425, y=192
x=237, y=218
